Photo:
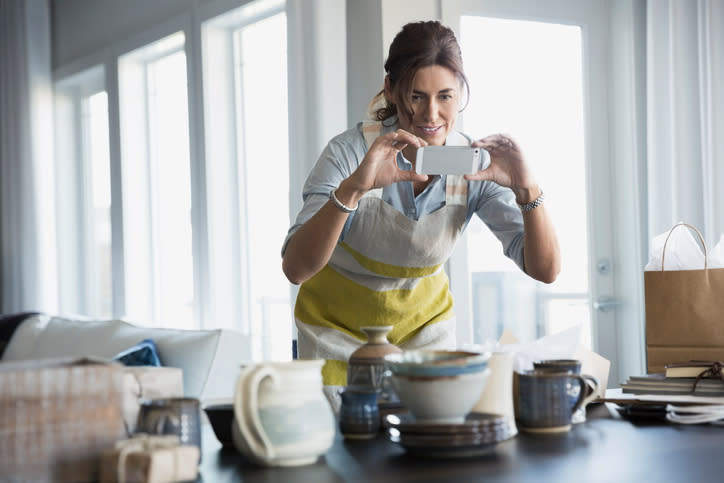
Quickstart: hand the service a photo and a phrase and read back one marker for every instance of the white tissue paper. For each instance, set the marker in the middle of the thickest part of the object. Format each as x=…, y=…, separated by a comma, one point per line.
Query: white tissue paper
x=561, y=345
x=565, y=344
x=683, y=252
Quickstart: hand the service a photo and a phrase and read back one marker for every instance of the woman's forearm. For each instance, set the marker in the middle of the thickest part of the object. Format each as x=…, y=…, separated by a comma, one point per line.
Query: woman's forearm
x=311, y=246
x=541, y=251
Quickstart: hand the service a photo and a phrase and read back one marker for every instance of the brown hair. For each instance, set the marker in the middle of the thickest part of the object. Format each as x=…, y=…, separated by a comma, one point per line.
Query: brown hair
x=418, y=45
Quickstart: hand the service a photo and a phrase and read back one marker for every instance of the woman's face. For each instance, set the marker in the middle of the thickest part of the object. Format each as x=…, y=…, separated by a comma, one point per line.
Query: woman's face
x=435, y=100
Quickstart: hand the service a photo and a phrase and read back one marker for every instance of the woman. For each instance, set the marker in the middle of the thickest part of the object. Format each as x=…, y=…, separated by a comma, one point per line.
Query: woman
x=369, y=245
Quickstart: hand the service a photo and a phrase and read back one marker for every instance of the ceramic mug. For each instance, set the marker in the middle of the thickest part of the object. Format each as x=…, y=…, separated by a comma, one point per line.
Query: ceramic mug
x=544, y=404
x=574, y=366
x=282, y=417
x=180, y=416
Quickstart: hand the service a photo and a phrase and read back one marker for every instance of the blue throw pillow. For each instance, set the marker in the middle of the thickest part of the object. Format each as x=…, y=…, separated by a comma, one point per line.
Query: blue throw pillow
x=142, y=354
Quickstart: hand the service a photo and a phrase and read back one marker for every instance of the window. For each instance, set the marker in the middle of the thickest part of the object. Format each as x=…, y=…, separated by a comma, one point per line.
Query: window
x=158, y=253
x=84, y=195
x=247, y=161
x=539, y=98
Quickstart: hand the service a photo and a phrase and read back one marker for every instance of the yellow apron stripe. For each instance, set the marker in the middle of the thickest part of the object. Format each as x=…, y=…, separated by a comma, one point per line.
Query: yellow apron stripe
x=387, y=270
x=331, y=300
x=334, y=373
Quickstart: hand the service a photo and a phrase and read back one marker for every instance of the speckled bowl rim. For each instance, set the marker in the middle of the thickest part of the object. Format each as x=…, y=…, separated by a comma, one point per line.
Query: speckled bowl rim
x=433, y=363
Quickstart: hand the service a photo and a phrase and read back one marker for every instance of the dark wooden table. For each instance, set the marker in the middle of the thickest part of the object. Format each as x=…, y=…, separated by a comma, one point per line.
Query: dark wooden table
x=605, y=448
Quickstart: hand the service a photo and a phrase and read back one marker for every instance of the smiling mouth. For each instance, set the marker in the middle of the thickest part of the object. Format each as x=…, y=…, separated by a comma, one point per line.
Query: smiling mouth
x=430, y=130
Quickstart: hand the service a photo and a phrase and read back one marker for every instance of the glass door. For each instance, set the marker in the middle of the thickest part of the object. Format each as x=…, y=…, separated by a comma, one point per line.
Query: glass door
x=533, y=68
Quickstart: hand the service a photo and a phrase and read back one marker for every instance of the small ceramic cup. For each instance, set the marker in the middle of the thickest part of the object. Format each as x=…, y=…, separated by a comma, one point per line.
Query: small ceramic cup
x=544, y=403
x=180, y=416
x=359, y=415
x=574, y=366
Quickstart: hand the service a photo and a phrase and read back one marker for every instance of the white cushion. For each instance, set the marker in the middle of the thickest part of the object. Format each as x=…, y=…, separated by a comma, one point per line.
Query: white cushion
x=210, y=359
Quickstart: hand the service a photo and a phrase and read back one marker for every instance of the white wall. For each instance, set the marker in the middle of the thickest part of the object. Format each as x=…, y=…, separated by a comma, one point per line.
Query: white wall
x=371, y=27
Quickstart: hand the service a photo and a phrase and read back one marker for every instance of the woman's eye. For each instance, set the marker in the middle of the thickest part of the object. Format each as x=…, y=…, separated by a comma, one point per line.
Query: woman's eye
x=445, y=97
x=416, y=98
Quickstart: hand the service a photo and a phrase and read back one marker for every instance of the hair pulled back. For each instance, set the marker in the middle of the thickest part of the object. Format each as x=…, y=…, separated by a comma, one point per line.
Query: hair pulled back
x=418, y=45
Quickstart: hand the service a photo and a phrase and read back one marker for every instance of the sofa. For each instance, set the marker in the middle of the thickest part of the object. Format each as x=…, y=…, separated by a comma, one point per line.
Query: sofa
x=210, y=359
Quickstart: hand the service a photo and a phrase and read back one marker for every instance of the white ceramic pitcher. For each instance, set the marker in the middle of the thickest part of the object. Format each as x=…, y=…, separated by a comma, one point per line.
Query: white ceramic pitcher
x=282, y=417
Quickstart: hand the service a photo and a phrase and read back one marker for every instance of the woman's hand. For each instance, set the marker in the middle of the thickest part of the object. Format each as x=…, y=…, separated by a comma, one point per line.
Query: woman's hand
x=309, y=250
x=507, y=167
x=379, y=166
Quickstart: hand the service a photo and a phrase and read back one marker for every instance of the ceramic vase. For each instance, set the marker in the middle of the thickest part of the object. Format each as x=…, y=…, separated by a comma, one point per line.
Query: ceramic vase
x=366, y=364
x=359, y=416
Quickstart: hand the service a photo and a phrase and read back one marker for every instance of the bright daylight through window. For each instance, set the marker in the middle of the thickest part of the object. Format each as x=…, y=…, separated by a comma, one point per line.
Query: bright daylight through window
x=156, y=184
x=245, y=105
x=538, y=99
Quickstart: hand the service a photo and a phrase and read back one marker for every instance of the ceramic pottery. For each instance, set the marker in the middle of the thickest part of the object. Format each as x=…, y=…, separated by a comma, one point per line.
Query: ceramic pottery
x=544, y=404
x=436, y=363
x=366, y=365
x=221, y=418
x=440, y=399
x=282, y=417
x=180, y=416
x=438, y=385
x=359, y=416
x=476, y=435
x=574, y=366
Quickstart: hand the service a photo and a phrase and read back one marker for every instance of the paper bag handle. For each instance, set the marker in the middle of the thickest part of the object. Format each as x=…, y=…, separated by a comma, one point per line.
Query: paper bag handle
x=701, y=238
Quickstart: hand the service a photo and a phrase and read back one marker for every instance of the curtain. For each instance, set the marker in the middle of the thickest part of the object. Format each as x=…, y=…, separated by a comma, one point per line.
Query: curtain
x=685, y=115
x=27, y=229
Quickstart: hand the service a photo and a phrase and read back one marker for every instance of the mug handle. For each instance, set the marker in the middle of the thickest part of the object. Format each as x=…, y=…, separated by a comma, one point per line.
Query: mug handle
x=592, y=388
x=588, y=392
x=247, y=415
x=582, y=394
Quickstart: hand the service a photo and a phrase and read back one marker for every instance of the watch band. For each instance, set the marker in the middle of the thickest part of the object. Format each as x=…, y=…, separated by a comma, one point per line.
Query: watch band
x=533, y=204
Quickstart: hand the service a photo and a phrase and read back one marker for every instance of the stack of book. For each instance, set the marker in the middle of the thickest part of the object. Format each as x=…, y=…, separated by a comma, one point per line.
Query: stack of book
x=679, y=379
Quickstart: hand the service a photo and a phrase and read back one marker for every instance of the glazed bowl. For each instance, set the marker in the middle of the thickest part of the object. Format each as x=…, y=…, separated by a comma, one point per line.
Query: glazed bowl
x=438, y=386
x=436, y=362
x=221, y=417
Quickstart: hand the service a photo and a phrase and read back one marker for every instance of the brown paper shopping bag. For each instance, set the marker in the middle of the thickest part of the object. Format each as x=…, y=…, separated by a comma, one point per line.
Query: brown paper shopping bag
x=684, y=313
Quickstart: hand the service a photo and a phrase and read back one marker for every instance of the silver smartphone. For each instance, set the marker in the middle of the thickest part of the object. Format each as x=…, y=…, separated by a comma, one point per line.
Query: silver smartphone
x=448, y=160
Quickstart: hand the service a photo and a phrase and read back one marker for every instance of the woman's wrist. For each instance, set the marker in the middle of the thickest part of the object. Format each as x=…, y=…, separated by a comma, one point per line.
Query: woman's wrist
x=524, y=196
x=345, y=198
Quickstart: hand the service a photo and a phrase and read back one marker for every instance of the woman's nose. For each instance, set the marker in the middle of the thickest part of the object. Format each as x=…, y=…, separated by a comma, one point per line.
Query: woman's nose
x=431, y=110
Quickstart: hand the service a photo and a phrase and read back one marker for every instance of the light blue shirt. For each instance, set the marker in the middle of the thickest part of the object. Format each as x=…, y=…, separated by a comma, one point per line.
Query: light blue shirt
x=494, y=204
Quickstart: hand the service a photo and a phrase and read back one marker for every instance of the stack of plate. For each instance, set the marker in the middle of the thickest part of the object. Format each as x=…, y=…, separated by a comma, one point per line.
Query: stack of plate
x=477, y=435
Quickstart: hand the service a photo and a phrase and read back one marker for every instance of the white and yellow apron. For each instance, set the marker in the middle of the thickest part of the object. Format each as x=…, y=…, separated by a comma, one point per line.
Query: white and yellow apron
x=388, y=270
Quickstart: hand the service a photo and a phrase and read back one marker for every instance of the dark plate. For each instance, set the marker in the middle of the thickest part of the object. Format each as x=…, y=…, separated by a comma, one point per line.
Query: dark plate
x=447, y=440
x=474, y=423
x=221, y=417
x=445, y=451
